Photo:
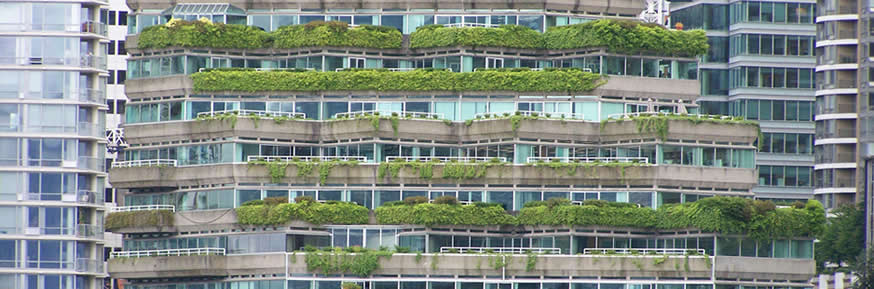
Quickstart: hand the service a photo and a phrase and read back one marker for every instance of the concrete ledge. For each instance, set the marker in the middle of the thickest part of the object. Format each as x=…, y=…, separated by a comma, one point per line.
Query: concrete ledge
x=473, y=265
x=765, y=268
x=457, y=132
x=637, y=176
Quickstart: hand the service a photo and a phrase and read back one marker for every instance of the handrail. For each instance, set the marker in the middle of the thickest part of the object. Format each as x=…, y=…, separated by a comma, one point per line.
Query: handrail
x=144, y=163
x=142, y=208
x=168, y=252
x=414, y=114
x=305, y=158
x=249, y=112
x=202, y=69
x=470, y=24
x=511, y=250
x=657, y=113
x=588, y=159
x=400, y=69
x=634, y=251
x=552, y=115
x=445, y=159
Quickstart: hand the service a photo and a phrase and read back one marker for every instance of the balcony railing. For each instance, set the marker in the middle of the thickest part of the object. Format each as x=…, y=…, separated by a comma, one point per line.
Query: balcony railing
x=446, y=159
x=259, y=113
x=80, y=196
x=633, y=251
x=144, y=163
x=410, y=114
x=89, y=231
x=588, y=159
x=471, y=24
x=142, y=208
x=658, y=113
x=87, y=61
x=168, y=252
x=91, y=129
x=91, y=163
x=84, y=27
x=306, y=159
x=92, y=96
x=90, y=265
x=566, y=115
x=88, y=197
x=500, y=250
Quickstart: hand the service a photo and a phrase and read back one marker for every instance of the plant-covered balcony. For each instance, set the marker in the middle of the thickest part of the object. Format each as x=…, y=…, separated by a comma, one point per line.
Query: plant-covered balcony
x=725, y=215
x=382, y=80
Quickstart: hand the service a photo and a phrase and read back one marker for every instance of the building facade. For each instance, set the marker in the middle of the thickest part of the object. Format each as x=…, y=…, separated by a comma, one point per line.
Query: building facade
x=760, y=66
x=305, y=156
x=52, y=143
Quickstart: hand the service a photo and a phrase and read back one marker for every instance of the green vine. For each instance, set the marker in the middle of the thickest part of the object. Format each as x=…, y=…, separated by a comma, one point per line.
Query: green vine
x=435, y=260
x=277, y=169
x=531, y=262
x=659, y=124
x=362, y=263
x=660, y=260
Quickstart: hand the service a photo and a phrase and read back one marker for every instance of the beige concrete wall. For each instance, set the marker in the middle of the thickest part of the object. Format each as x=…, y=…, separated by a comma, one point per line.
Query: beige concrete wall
x=548, y=130
x=473, y=265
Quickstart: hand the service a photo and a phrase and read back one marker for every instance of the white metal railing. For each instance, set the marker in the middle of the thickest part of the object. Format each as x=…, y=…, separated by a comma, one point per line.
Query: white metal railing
x=445, y=159
x=633, y=251
x=471, y=24
x=249, y=112
x=168, y=252
x=305, y=159
x=142, y=208
x=552, y=115
x=580, y=203
x=588, y=159
x=505, y=250
x=400, y=69
x=657, y=113
x=144, y=163
x=410, y=114
x=459, y=202
x=586, y=69
x=258, y=69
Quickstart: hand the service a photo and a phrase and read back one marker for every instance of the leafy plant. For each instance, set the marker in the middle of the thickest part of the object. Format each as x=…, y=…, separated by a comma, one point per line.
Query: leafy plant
x=304, y=210
x=361, y=263
x=519, y=80
x=135, y=219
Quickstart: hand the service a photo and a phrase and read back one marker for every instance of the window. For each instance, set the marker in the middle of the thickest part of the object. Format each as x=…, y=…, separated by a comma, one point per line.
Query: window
x=121, y=50
x=111, y=48
x=112, y=17
x=122, y=18
x=111, y=79
x=121, y=75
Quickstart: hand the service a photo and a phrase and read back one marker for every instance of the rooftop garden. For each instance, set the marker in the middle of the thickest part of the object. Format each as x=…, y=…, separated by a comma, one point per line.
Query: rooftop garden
x=659, y=123
x=205, y=33
x=517, y=80
x=726, y=215
x=622, y=36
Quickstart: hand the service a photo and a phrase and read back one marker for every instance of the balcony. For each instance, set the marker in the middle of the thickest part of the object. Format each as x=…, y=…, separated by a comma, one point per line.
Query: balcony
x=81, y=197
x=90, y=129
x=88, y=265
x=91, y=163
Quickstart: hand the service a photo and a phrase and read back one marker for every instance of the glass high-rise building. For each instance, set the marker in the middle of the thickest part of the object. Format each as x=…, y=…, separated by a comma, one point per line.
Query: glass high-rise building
x=52, y=114
x=760, y=66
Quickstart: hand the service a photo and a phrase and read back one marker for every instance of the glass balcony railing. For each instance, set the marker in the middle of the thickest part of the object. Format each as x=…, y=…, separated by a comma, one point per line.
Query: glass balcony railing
x=84, y=27
x=85, y=61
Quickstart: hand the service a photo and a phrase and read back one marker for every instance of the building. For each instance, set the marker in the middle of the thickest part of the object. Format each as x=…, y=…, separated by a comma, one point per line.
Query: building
x=254, y=150
x=52, y=143
x=761, y=66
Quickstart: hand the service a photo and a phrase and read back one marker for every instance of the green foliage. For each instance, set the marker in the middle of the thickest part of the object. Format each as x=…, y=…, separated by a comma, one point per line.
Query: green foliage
x=427, y=214
x=519, y=80
x=727, y=215
x=660, y=124
x=446, y=200
x=843, y=239
x=470, y=170
x=626, y=36
x=277, y=169
x=531, y=262
x=203, y=34
x=350, y=285
x=514, y=36
x=180, y=33
x=231, y=117
x=337, y=34
x=309, y=211
x=360, y=262
x=135, y=219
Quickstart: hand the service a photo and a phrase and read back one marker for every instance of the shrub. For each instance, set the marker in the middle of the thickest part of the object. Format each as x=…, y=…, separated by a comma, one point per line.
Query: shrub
x=627, y=37
x=515, y=36
x=442, y=214
x=272, y=201
x=136, y=219
x=349, y=285
x=596, y=203
x=560, y=81
x=415, y=200
x=556, y=202
x=303, y=199
x=446, y=200
x=304, y=210
x=252, y=203
x=203, y=33
x=532, y=204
